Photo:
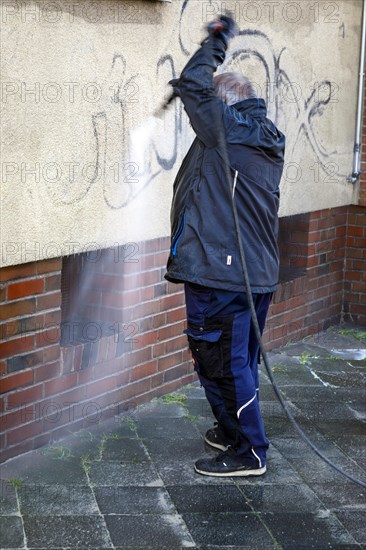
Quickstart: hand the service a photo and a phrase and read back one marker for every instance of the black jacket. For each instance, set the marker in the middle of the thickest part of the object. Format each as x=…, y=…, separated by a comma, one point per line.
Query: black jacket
x=204, y=247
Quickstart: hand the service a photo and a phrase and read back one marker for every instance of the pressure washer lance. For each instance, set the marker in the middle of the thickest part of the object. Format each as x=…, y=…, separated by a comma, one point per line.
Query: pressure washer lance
x=214, y=27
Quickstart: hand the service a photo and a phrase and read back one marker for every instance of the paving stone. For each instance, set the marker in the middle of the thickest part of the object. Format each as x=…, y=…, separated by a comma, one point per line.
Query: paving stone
x=194, y=390
x=248, y=546
x=168, y=429
x=300, y=499
x=124, y=426
x=225, y=529
x=160, y=409
x=331, y=338
x=175, y=449
x=77, y=448
x=8, y=500
x=279, y=361
x=276, y=416
x=336, y=365
x=354, y=521
x=350, y=395
x=56, y=499
x=358, y=411
x=353, y=446
x=314, y=470
x=156, y=546
x=303, y=531
x=275, y=454
x=298, y=375
x=275, y=498
x=264, y=381
x=266, y=392
x=113, y=473
x=345, y=495
x=311, y=394
x=37, y=467
x=322, y=411
x=11, y=532
x=347, y=360
x=133, y=500
x=66, y=531
x=89, y=444
x=344, y=427
x=305, y=350
x=163, y=530
x=208, y=498
x=124, y=450
x=121, y=425
x=296, y=447
x=346, y=546
x=275, y=427
x=272, y=410
x=343, y=379
x=198, y=407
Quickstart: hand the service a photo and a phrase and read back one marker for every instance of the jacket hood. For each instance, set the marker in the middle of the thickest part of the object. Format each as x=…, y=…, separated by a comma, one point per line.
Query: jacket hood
x=255, y=107
x=269, y=137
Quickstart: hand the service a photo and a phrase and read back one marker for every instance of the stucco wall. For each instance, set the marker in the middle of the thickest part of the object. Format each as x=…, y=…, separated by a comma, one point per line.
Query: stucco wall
x=81, y=79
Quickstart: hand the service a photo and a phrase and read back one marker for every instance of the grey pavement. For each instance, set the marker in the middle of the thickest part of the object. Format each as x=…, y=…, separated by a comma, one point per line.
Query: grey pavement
x=129, y=482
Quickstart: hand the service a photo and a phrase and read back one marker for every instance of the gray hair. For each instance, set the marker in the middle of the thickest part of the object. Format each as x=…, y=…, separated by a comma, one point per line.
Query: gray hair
x=233, y=87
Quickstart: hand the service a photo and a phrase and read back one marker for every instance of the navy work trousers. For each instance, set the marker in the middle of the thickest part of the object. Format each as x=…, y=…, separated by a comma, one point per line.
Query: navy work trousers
x=225, y=355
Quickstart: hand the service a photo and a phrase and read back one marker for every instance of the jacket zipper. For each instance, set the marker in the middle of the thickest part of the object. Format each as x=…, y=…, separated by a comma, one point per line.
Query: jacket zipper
x=234, y=184
x=200, y=173
x=178, y=235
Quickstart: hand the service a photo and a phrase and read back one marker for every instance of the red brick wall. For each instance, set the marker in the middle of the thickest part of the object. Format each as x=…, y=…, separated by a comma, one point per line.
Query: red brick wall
x=48, y=387
x=30, y=317
x=354, y=299
x=324, y=253
x=311, y=301
x=362, y=198
x=122, y=324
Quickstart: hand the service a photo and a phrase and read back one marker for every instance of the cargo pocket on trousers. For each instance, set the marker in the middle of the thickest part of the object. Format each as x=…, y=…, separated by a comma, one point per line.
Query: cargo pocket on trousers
x=207, y=353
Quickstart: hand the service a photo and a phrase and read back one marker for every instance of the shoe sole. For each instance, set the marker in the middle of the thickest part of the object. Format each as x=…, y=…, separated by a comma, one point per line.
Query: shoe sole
x=237, y=473
x=216, y=445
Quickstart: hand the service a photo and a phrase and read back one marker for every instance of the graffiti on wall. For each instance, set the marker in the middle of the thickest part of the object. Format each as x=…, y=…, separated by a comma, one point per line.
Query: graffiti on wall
x=132, y=150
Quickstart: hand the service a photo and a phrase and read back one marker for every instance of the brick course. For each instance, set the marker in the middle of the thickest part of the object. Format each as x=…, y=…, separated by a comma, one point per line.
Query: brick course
x=122, y=344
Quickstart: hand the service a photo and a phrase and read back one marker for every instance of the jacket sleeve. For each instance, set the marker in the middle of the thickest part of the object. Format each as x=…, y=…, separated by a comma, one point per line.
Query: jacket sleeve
x=196, y=89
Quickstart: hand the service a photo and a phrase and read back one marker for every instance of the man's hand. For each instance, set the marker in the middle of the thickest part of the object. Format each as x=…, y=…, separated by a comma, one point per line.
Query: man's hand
x=223, y=27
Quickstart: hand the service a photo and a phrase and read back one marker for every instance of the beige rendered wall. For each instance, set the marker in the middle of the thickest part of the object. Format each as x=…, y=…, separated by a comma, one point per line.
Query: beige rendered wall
x=83, y=165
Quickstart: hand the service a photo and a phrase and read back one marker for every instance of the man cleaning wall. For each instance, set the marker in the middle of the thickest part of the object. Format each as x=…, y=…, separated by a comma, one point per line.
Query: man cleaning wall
x=225, y=112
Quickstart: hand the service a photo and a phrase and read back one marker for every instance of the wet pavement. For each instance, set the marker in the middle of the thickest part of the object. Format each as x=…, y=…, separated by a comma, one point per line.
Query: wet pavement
x=129, y=482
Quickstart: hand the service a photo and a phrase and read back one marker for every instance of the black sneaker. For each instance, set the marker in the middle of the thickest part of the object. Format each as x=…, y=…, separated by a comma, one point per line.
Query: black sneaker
x=214, y=438
x=227, y=464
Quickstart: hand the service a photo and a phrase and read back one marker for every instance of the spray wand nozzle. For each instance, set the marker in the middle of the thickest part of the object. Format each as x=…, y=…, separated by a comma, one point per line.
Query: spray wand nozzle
x=174, y=82
x=226, y=28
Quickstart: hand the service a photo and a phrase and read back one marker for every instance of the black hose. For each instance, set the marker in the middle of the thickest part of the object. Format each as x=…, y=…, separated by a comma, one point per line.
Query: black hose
x=226, y=165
